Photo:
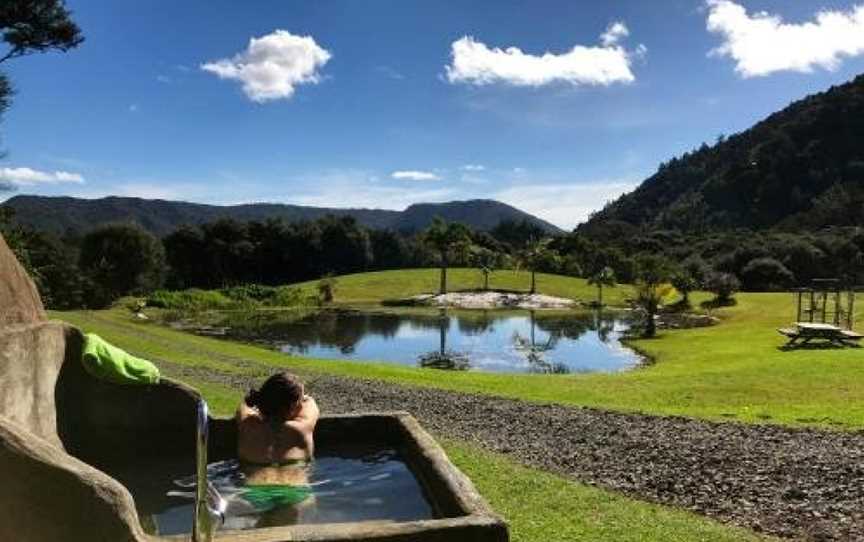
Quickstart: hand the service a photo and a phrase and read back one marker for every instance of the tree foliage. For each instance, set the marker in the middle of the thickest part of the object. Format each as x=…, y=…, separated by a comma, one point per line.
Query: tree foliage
x=121, y=259
x=446, y=238
x=652, y=286
x=31, y=26
x=605, y=276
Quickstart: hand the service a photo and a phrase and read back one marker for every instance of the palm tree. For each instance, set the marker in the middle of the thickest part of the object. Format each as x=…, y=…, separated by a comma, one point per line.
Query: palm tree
x=445, y=237
x=604, y=277
x=535, y=254
x=486, y=260
x=652, y=286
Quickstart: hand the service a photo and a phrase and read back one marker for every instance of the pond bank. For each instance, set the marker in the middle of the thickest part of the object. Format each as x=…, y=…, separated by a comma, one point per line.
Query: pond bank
x=797, y=483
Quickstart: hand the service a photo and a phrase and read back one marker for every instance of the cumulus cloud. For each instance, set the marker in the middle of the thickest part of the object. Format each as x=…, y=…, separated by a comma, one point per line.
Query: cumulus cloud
x=273, y=65
x=564, y=204
x=761, y=43
x=414, y=175
x=474, y=167
x=473, y=62
x=25, y=176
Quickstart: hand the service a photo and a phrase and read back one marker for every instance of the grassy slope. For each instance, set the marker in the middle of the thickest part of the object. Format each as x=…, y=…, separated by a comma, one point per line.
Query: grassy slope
x=541, y=506
x=374, y=287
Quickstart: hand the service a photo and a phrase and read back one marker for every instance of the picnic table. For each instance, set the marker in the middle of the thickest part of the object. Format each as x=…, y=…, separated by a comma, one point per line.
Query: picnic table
x=816, y=331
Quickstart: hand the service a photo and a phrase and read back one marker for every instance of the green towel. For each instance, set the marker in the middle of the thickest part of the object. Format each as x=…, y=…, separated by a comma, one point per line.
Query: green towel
x=107, y=362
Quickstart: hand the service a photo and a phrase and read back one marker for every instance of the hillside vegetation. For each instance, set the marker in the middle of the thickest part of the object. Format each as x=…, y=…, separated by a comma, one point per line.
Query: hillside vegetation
x=161, y=217
x=802, y=167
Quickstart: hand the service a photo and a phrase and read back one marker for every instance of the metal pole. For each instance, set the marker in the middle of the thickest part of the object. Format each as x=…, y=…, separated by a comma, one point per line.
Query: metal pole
x=202, y=524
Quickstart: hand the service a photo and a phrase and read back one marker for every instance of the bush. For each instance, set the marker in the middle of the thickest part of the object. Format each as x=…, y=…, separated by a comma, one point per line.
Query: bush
x=192, y=300
x=237, y=297
x=766, y=274
x=723, y=286
x=327, y=289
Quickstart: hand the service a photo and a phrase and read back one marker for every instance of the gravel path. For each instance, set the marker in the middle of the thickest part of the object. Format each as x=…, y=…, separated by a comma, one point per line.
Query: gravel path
x=796, y=483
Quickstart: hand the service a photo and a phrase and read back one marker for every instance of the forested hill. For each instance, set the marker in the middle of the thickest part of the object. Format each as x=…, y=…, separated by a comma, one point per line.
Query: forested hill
x=800, y=168
x=160, y=217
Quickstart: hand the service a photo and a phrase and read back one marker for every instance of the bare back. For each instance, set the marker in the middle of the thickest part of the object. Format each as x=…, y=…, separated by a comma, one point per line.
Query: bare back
x=260, y=442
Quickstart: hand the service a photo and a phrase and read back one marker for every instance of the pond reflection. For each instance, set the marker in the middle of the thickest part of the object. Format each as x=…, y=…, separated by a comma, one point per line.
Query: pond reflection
x=498, y=341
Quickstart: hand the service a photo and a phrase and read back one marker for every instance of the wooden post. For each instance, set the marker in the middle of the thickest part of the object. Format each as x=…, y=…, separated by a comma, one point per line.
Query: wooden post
x=812, y=304
x=798, y=318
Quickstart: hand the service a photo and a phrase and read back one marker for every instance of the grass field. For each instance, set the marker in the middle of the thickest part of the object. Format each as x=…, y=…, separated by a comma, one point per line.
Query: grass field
x=732, y=371
x=377, y=286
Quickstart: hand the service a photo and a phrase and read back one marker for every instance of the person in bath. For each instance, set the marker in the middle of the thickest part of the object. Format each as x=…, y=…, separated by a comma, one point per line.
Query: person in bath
x=275, y=426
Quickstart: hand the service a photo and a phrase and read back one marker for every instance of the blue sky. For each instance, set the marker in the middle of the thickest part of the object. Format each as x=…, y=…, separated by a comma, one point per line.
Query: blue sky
x=386, y=103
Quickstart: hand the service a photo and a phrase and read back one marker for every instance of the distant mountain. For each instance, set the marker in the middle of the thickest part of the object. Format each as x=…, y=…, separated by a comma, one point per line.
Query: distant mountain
x=800, y=168
x=59, y=214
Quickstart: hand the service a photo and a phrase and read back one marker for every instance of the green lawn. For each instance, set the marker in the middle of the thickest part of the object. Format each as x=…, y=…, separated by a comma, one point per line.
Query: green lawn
x=540, y=506
x=377, y=286
x=730, y=371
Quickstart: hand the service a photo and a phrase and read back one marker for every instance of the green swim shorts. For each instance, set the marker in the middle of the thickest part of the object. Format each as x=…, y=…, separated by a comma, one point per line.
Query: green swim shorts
x=266, y=497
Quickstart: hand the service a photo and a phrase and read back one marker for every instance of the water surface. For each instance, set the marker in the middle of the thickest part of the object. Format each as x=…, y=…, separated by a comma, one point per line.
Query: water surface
x=497, y=341
x=353, y=484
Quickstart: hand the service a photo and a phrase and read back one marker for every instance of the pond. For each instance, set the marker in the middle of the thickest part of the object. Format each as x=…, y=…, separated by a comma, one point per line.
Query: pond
x=495, y=341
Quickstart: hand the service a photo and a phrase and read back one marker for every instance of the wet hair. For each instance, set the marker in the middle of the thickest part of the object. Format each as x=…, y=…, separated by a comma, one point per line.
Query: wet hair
x=280, y=392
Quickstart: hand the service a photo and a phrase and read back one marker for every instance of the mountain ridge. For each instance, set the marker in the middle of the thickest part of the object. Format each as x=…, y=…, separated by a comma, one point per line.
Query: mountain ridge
x=59, y=214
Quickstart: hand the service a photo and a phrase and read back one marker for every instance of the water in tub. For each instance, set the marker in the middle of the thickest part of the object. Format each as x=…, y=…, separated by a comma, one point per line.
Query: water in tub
x=350, y=485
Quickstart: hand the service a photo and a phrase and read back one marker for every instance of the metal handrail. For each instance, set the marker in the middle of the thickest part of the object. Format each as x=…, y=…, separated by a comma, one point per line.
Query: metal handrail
x=209, y=504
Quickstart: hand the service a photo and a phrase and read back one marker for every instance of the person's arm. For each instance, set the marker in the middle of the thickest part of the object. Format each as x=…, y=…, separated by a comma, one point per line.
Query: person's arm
x=308, y=415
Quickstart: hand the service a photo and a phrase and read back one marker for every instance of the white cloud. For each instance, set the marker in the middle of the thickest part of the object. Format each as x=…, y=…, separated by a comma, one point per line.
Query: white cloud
x=475, y=63
x=25, y=176
x=615, y=32
x=761, y=43
x=390, y=72
x=473, y=167
x=414, y=175
x=563, y=204
x=272, y=65
x=328, y=189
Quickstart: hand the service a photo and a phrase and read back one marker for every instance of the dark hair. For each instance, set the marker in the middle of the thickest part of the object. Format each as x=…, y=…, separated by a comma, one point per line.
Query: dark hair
x=280, y=392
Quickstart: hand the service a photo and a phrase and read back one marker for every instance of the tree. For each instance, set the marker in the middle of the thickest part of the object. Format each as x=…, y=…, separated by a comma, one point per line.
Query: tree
x=684, y=281
x=603, y=277
x=538, y=255
x=486, y=260
x=33, y=26
x=517, y=233
x=445, y=238
x=652, y=276
x=121, y=259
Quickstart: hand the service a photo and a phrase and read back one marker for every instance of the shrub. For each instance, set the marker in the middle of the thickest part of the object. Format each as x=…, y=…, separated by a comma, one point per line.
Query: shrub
x=766, y=274
x=723, y=286
x=192, y=300
x=327, y=288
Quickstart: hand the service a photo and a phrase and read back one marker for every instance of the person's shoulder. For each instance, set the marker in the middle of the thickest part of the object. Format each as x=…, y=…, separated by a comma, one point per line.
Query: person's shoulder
x=247, y=415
